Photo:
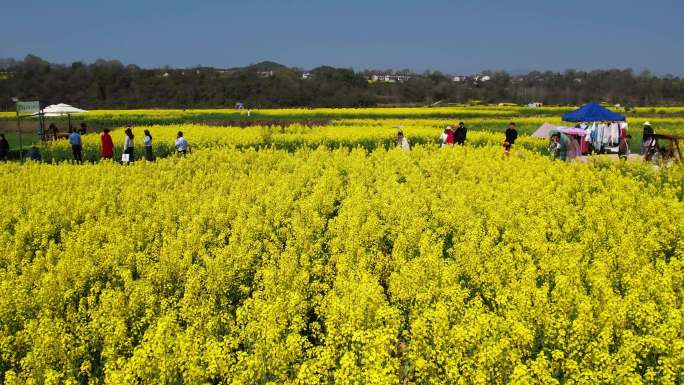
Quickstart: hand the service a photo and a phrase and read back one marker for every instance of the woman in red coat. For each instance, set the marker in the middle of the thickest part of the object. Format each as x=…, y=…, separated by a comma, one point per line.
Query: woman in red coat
x=106, y=145
x=451, y=135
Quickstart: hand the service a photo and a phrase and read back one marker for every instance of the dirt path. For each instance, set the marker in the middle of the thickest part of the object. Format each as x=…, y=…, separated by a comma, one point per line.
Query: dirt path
x=630, y=158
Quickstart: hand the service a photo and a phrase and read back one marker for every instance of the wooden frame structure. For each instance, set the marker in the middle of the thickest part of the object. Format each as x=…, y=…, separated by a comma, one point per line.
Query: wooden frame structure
x=674, y=143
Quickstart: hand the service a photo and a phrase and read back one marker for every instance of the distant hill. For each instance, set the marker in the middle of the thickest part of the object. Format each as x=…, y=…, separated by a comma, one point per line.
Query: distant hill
x=324, y=68
x=266, y=66
x=107, y=84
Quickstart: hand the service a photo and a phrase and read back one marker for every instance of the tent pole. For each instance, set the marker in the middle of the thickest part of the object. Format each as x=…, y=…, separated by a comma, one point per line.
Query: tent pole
x=21, y=146
x=41, y=122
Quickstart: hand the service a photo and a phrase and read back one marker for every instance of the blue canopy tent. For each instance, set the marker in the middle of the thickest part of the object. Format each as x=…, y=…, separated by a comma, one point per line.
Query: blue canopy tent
x=593, y=112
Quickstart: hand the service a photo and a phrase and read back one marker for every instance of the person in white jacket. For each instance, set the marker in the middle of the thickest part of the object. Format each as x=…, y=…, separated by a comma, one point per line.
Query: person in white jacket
x=444, y=137
x=403, y=142
x=129, y=144
x=181, y=144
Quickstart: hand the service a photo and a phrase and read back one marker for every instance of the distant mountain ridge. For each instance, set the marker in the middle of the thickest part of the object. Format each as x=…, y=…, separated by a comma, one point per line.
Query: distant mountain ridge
x=266, y=65
x=107, y=84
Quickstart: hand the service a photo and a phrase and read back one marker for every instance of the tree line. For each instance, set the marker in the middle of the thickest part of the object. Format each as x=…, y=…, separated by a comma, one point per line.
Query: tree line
x=109, y=84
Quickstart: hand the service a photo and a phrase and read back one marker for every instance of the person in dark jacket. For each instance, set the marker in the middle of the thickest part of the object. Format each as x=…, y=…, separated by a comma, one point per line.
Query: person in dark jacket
x=460, y=135
x=4, y=147
x=33, y=154
x=147, y=142
x=54, y=131
x=511, y=136
x=84, y=129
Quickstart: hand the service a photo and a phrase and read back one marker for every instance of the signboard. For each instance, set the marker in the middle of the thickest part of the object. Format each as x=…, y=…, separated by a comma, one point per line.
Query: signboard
x=25, y=109
x=28, y=108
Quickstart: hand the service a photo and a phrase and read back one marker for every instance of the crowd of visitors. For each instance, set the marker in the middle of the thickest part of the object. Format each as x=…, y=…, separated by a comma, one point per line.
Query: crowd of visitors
x=128, y=155
x=107, y=148
x=457, y=135
x=561, y=146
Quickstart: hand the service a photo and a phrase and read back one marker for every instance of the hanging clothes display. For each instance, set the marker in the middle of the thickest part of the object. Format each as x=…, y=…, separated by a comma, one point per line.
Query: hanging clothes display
x=584, y=144
x=603, y=128
x=614, y=134
x=605, y=133
x=603, y=136
x=623, y=130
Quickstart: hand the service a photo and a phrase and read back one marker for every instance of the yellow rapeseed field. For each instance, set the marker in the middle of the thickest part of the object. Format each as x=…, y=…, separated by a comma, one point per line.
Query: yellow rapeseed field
x=325, y=255
x=368, y=134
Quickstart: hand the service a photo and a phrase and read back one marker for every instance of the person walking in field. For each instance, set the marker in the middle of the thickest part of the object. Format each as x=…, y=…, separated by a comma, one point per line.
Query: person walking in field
x=460, y=134
x=402, y=142
x=511, y=136
x=147, y=142
x=451, y=135
x=649, y=147
x=454, y=134
x=443, y=139
x=76, y=146
x=646, y=137
x=129, y=147
x=106, y=145
x=4, y=148
x=623, y=148
x=83, y=129
x=181, y=144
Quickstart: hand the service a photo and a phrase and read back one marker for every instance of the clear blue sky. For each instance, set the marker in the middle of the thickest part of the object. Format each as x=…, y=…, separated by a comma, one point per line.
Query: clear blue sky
x=451, y=36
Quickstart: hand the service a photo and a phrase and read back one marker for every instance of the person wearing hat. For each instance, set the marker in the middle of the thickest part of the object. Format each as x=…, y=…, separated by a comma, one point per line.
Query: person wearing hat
x=451, y=135
x=647, y=142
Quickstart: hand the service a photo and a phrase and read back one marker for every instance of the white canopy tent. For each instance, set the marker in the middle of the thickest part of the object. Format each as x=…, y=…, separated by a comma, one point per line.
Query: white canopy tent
x=60, y=109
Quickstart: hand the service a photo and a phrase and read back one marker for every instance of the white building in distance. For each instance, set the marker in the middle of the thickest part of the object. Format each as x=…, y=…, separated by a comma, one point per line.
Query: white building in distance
x=387, y=78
